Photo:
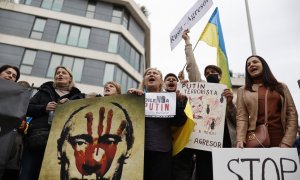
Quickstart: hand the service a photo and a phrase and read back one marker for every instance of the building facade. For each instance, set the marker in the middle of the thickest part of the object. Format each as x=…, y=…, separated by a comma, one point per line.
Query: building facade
x=99, y=40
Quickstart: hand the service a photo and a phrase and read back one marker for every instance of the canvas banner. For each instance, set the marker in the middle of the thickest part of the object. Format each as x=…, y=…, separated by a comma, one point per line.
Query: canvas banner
x=160, y=105
x=97, y=138
x=14, y=100
x=189, y=20
x=209, y=108
x=256, y=163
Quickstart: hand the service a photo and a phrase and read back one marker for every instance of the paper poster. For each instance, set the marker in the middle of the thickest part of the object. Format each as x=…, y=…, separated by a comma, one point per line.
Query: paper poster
x=160, y=104
x=209, y=108
x=97, y=138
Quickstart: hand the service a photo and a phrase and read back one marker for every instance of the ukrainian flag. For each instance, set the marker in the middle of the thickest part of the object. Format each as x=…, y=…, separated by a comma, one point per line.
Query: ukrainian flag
x=181, y=135
x=213, y=36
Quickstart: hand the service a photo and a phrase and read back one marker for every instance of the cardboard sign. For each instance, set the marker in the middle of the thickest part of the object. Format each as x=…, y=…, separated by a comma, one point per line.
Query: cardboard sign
x=96, y=138
x=160, y=105
x=256, y=164
x=189, y=20
x=209, y=108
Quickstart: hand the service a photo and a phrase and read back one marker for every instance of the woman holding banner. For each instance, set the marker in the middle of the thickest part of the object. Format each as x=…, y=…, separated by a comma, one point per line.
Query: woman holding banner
x=41, y=108
x=263, y=99
x=158, y=139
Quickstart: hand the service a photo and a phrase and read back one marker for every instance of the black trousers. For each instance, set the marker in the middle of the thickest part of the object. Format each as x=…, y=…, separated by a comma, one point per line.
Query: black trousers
x=157, y=165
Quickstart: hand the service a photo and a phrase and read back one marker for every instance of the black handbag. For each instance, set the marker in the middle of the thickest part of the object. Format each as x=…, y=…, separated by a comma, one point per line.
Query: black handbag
x=37, y=138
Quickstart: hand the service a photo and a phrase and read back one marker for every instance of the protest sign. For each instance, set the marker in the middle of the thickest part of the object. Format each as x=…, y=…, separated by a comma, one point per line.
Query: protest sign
x=189, y=20
x=209, y=108
x=256, y=163
x=96, y=138
x=160, y=105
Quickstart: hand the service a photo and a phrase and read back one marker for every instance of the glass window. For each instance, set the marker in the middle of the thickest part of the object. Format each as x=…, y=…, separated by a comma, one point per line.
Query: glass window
x=113, y=43
x=77, y=69
x=132, y=56
x=54, y=62
x=28, y=2
x=137, y=62
x=117, y=16
x=57, y=5
x=127, y=51
x=62, y=33
x=84, y=37
x=129, y=83
x=125, y=20
x=68, y=62
x=90, y=11
x=47, y=4
x=124, y=82
x=134, y=84
x=54, y=5
x=25, y=69
x=29, y=57
x=108, y=73
x=74, y=35
x=118, y=76
x=27, y=61
x=38, y=28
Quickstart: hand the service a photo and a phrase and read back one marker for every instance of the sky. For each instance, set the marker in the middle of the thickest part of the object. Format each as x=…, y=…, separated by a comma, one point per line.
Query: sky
x=276, y=27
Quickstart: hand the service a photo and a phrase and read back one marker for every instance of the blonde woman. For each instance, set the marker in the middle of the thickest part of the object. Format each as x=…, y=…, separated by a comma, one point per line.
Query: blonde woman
x=41, y=106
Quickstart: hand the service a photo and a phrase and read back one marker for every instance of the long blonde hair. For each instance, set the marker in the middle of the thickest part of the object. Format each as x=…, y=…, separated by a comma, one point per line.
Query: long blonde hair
x=72, y=84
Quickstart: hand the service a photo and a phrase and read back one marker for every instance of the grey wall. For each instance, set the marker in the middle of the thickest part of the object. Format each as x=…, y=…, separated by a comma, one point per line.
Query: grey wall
x=93, y=72
x=136, y=31
x=41, y=64
x=99, y=39
x=14, y=23
x=11, y=55
x=103, y=11
x=50, y=31
x=76, y=7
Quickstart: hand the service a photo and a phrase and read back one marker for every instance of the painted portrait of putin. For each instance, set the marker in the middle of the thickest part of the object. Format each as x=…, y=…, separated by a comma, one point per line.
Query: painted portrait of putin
x=95, y=142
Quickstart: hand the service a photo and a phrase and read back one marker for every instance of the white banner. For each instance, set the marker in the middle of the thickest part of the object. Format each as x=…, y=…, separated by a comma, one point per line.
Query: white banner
x=189, y=20
x=160, y=105
x=256, y=163
x=209, y=108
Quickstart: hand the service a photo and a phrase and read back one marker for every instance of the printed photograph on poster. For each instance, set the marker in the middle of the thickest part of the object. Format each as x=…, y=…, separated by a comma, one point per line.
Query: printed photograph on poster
x=160, y=105
x=96, y=138
x=209, y=108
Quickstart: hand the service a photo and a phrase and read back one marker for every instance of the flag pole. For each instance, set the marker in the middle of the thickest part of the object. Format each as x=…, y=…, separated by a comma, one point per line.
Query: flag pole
x=250, y=29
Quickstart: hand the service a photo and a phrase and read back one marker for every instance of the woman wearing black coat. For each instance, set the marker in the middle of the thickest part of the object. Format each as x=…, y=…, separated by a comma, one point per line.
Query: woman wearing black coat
x=41, y=108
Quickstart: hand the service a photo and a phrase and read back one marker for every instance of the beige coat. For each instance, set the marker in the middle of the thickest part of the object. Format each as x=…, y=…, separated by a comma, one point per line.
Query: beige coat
x=247, y=108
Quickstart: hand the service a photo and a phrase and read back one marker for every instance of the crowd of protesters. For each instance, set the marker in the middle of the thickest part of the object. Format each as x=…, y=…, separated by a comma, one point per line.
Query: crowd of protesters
x=261, y=90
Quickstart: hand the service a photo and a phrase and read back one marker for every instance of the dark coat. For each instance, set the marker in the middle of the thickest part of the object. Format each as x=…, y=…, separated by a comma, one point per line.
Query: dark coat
x=38, y=103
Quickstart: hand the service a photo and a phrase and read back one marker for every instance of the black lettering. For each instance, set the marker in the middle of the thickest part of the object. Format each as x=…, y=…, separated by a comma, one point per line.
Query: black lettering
x=251, y=166
x=229, y=168
x=286, y=171
x=263, y=168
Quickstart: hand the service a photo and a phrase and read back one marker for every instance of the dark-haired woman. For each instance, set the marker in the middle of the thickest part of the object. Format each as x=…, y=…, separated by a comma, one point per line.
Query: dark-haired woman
x=262, y=89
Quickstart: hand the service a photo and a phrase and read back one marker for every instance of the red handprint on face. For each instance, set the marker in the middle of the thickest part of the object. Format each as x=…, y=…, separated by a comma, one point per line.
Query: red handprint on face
x=95, y=154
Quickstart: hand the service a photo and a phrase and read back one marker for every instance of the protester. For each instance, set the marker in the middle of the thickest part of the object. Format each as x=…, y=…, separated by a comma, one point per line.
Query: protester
x=110, y=88
x=11, y=146
x=213, y=74
x=158, y=140
x=261, y=91
x=183, y=165
x=41, y=108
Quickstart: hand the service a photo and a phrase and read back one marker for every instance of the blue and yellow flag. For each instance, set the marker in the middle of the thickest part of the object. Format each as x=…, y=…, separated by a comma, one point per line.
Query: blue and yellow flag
x=182, y=134
x=213, y=36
